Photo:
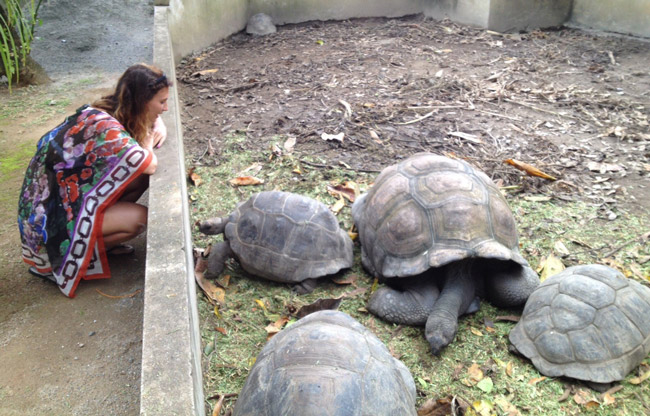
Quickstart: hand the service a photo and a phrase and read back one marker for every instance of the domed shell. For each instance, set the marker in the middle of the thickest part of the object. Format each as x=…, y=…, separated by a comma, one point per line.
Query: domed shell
x=287, y=237
x=430, y=210
x=326, y=364
x=588, y=322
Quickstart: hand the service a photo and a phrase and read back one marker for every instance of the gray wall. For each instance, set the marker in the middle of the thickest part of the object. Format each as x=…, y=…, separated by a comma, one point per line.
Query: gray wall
x=195, y=24
x=620, y=16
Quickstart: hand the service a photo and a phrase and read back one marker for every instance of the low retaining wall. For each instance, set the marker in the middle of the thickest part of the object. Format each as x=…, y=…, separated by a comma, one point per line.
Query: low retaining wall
x=171, y=381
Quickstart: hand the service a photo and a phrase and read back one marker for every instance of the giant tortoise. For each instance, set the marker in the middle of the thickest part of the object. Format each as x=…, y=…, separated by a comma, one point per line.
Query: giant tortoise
x=326, y=364
x=439, y=233
x=587, y=322
x=280, y=236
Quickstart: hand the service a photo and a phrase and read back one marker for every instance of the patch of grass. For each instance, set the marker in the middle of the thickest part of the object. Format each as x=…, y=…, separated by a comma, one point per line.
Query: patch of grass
x=234, y=336
x=17, y=159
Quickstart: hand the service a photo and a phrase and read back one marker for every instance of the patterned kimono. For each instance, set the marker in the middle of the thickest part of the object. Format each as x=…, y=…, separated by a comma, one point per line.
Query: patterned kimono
x=80, y=168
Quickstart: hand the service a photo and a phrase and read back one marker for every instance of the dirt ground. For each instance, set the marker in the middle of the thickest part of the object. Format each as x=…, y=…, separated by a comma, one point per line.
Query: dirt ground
x=360, y=95
x=571, y=103
x=63, y=356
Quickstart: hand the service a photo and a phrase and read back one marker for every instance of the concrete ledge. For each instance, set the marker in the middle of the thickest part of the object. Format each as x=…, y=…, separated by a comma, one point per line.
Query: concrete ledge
x=171, y=381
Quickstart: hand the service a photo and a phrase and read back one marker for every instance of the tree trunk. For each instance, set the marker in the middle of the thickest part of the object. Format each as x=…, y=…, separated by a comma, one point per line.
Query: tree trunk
x=31, y=72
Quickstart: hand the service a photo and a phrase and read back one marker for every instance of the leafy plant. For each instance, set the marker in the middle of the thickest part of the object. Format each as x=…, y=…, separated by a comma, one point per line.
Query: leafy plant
x=16, y=35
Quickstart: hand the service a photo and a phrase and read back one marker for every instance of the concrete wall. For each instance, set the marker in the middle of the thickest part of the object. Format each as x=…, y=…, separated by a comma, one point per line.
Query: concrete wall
x=516, y=15
x=620, y=16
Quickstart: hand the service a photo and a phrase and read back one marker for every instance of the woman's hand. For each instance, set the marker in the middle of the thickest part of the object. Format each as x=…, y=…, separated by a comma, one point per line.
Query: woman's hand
x=158, y=133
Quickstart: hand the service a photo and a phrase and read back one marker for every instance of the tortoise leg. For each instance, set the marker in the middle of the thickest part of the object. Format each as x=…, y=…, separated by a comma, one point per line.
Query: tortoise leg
x=456, y=297
x=306, y=286
x=219, y=253
x=510, y=285
x=410, y=306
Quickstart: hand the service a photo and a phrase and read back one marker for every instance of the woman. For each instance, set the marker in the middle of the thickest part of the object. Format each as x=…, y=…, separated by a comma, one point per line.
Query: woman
x=78, y=200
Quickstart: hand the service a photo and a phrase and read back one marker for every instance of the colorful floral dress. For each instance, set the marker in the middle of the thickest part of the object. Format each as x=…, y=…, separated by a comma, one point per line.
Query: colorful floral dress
x=80, y=168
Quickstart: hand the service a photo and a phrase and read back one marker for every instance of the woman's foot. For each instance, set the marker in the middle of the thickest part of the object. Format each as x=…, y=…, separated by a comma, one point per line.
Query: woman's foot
x=120, y=249
x=46, y=276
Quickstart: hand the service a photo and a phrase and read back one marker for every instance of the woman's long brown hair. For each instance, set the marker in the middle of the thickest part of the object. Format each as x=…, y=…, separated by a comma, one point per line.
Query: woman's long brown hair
x=135, y=88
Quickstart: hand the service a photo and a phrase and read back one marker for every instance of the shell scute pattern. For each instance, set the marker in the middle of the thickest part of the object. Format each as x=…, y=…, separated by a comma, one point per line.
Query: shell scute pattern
x=326, y=364
x=431, y=210
x=287, y=237
x=588, y=322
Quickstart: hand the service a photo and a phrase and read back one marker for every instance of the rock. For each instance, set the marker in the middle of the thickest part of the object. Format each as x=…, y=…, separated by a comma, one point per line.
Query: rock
x=260, y=24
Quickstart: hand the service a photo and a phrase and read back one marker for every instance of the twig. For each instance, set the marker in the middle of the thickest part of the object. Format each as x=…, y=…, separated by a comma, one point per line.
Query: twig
x=427, y=115
x=222, y=395
x=120, y=296
x=625, y=244
x=318, y=165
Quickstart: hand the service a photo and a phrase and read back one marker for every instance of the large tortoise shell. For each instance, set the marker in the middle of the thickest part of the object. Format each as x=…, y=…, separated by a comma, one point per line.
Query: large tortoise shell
x=327, y=364
x=587, y=322
x=430, y=210
x=287, y=237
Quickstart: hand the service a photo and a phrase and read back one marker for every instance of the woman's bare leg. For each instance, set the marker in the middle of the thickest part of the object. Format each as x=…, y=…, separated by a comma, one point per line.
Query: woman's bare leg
x=135, y=189
x=123, y=221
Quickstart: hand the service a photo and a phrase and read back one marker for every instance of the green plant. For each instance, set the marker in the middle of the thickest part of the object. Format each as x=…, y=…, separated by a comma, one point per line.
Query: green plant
x=16, y=35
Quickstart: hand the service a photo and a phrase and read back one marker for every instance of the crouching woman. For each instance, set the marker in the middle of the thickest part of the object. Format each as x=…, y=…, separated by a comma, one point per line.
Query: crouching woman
x=78, y=199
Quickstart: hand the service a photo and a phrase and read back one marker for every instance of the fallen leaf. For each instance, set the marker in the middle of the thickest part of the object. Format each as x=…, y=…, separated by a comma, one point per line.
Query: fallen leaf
x=534, y=381
x=476, y=332
x=486, y=385
x=508, y=318
x=217, y=407
x=550, y=266
x=289, y=144
x=353, y=236
x=475, y=373
x=603, y=168
x=349, y=190
x=318, y=305
x=483, y=408
x=641, y=378
x=466, y=136
x=355, y=292
x=436, y=407
x=338, y=205
x=560, y=248
x=348, y=108
x=507, y=407
x=261, y=303
x=509, y=369
x=214, y=293
x=581, y=397
x=275, y=327
x=246, y=180
x=205, y=72
x=194, y=177
x=221, y=330
x=529, y=169
x=337, y=137
x=345, y=280
x=537, y=198
x=607, y=399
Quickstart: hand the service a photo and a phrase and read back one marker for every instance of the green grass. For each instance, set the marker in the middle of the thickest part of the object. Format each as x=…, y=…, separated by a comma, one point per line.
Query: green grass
x=234, y=335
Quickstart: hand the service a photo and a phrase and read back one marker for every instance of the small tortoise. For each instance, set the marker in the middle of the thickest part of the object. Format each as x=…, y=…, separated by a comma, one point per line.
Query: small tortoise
x=280, y=236
x=587, y=322
x=439, y=233
x=327, y=363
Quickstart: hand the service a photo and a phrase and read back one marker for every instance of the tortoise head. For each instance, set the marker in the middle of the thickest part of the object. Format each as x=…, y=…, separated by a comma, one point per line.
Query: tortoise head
x=213, y=226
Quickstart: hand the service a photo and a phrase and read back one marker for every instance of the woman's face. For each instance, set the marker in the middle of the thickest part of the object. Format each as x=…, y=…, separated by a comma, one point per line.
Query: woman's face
x=158, y=104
